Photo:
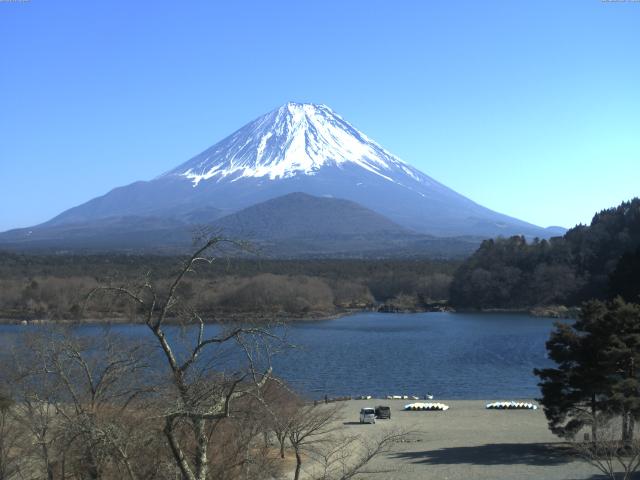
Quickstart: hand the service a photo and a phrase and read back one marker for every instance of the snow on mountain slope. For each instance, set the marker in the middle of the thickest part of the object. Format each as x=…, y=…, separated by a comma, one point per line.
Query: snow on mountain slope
x=295, y=139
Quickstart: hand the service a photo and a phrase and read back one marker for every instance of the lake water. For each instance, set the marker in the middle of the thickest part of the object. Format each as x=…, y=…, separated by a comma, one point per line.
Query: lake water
x=452, y=355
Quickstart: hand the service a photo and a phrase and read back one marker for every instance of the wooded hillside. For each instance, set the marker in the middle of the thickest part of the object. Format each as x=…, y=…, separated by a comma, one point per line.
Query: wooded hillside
x=596, y=261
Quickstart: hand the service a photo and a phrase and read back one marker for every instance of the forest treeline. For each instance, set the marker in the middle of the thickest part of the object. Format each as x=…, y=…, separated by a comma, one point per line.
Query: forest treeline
x=596, y=261
x=56, y=286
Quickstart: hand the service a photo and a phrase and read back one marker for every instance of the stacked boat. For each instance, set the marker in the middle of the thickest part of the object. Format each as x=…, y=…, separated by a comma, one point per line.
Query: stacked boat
x=429, y=406
x=511, y=405
x=428, y=396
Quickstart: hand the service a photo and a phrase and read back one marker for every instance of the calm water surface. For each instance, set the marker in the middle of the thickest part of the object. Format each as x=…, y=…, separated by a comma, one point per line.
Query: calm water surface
x=452, y=355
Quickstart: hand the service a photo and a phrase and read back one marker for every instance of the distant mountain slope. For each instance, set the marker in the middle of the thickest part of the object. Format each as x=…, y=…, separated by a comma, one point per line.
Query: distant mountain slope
x=127, y=233
x=301, y=225
x=294, y=225
x=592, y=261
x=301, y=148
x=301, y=215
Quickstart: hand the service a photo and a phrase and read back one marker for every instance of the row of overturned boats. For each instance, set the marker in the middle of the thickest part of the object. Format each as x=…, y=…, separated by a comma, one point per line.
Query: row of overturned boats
x=438, y=406
x=510, y=405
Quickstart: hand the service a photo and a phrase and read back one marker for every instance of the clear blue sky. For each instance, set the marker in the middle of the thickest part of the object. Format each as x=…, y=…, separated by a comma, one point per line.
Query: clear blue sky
x=531, y=108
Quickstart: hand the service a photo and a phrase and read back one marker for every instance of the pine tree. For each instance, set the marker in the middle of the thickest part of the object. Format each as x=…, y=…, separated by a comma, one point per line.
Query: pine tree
x=622, y=357
x=573, y=393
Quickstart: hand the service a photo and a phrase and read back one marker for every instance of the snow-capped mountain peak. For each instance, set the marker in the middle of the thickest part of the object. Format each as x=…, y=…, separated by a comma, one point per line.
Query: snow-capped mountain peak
x=295, y=139
x=299, y=148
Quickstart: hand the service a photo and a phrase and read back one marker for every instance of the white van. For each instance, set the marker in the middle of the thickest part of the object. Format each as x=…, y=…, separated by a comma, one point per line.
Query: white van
x=367, y=415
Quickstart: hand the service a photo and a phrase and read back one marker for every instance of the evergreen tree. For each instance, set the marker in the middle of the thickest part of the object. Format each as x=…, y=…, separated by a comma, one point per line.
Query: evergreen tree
x=622, y=357
x=625, y=280
x=573, y=392
x=597, y=370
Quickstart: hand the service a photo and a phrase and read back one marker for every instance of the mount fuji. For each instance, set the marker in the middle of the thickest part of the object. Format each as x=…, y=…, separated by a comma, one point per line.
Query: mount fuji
x=299, y=147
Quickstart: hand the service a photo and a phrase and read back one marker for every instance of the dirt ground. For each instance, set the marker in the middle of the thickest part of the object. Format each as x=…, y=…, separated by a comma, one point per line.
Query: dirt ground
x=468, y=442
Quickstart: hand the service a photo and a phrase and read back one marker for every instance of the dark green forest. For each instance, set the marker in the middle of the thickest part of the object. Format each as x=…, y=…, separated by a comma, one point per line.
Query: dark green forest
x=597, y=261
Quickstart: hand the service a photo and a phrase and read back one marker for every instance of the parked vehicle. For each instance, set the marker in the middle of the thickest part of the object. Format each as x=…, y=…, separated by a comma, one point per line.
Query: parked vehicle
x=367, y=415
x=383, y=412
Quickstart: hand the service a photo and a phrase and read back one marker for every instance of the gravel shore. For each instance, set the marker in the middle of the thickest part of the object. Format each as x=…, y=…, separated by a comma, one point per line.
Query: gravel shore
x=468, y=442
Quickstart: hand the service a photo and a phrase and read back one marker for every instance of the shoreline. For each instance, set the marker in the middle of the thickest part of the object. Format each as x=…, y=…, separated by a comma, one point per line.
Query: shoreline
x=228, y=318
x=551, y=311
x=377, y=400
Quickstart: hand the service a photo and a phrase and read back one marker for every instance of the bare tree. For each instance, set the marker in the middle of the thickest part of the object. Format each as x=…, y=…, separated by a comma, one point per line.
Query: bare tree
x=36, y=413
x=201, y=391
x=347, y=456
x=11, y=440
x=309, y=428
x=80, y=399
x=240, y=450
x=281, y=406
x=99, y=380
x=609, y=452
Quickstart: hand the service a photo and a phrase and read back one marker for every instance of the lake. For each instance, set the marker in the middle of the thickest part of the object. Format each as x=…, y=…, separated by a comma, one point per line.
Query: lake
x=451, y=355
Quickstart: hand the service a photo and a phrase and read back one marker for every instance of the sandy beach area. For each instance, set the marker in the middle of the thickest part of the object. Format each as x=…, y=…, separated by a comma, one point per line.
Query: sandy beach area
x=467, y=442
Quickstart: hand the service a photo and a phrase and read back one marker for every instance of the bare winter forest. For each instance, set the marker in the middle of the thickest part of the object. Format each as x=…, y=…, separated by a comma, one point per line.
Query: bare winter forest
x=55, y=287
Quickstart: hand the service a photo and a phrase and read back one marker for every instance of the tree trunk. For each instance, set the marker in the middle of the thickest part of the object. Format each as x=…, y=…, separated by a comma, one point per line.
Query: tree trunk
x=282, y=438
x=130, y=472
x=298, y=465
x=177, y=452
x=63, y=463
x=202, y=439
x=594, y=422
x=92, y=468
x=47, y=462
x=631, y=423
